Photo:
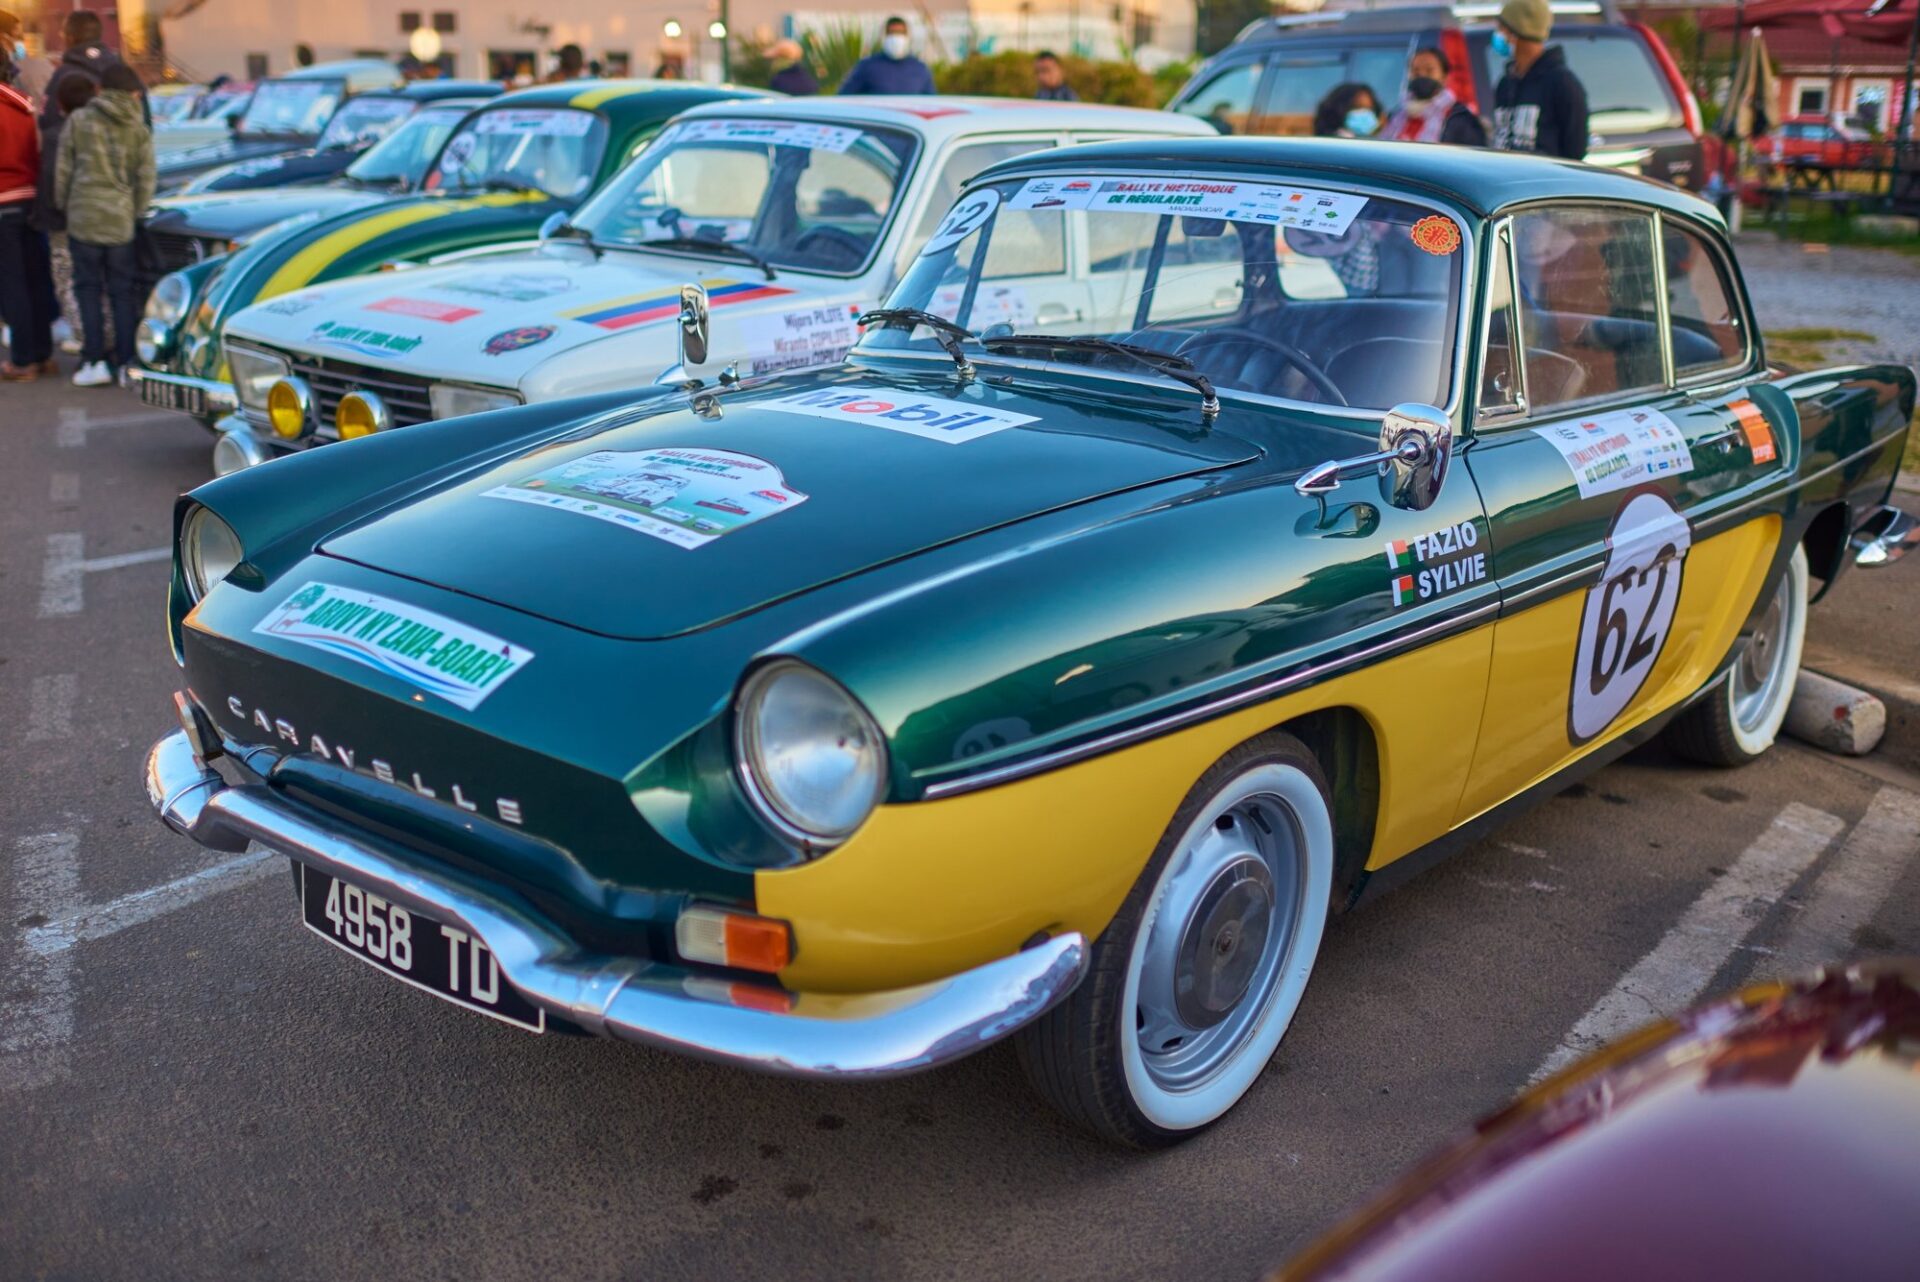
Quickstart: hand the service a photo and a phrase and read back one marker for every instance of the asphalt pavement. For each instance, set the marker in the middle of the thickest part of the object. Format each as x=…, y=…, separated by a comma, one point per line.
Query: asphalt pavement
x=192, y=1086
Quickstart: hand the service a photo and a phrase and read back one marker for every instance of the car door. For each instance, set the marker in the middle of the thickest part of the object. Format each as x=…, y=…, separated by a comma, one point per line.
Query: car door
x=1619, y=448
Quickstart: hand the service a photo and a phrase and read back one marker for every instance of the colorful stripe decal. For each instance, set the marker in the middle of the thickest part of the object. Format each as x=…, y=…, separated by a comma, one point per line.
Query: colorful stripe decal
x=591, y=98
x=307, y=265
x=640, y=309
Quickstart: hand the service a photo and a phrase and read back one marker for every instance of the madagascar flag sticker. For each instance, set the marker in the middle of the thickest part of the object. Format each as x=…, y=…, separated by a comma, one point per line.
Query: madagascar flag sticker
x=1402, y=590
x=1397, y=555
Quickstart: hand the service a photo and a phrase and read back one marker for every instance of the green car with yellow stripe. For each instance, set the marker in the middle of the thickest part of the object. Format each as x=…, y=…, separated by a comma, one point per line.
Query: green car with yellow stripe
x=508, y=169
x=1065, y=663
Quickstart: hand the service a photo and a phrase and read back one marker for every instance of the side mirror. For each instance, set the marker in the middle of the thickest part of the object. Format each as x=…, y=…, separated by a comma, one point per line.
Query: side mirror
x=695, y=328
x=1420, y=440
x=555, y=221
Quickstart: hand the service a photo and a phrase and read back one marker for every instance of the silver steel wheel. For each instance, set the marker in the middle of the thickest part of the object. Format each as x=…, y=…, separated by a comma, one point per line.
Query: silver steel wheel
x=1760, y=686
x=1222, y=957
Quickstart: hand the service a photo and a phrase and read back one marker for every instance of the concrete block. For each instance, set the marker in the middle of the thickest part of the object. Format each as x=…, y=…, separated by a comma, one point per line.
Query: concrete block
x=1889, y=225
x=1835, y=716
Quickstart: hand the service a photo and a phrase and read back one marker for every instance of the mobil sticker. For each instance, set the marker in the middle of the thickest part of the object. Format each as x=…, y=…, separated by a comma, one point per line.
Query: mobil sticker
x=932, y=417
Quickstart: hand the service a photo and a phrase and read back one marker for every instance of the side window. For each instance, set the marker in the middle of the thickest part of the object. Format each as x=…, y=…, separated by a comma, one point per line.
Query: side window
x=959, y=169
x=1500, y=363
x=1381, y=68
x=1296, y=90
x=1706, y=324
x=1589, y=307
x=1226, y=101
x=1202, y=274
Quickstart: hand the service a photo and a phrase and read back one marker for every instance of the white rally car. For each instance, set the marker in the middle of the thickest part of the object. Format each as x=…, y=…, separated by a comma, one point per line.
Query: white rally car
x=795, y=216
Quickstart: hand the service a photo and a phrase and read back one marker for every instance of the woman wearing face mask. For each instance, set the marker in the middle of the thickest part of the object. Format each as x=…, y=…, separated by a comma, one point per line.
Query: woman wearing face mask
x=1428, y=111
x=1348, y=111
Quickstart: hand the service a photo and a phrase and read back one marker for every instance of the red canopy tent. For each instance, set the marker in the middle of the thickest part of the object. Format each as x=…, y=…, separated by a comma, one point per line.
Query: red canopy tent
x=1880, y=22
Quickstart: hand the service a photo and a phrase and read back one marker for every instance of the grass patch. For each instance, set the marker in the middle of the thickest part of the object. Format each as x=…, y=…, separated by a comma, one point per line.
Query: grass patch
x=1806, y=348
x=1821, y=225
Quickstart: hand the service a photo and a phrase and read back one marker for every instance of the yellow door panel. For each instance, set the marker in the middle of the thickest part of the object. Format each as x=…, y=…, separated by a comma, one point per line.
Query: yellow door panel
x=1525, y=736
x=931, y=888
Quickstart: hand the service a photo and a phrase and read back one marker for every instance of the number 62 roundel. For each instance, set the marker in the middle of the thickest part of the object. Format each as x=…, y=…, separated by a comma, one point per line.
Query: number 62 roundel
x=1628, y=615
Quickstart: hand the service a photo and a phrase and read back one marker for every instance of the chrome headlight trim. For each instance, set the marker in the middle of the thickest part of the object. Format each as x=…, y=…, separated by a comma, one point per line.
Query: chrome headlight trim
x=452, y=400
x=759, y=749
x=171, y=299
x=208, y=552
x=152, y=340
x=254, y=372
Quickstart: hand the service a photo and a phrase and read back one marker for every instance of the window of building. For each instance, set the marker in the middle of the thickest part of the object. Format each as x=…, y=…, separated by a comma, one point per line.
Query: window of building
x=1810, y=99
x=256, y=66
x=445, y=22
x=409, y=21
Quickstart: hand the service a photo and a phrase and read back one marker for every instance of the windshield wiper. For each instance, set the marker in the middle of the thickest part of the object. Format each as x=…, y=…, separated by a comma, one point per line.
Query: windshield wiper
x=718, y=246
x=1175, y=367
x=509, y=184
x=945, y=332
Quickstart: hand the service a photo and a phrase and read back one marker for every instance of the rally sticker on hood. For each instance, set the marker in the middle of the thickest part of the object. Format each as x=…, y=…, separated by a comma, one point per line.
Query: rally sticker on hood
x=686, y=497
x=462, y=665
x=1306, y=208
x=931, y=417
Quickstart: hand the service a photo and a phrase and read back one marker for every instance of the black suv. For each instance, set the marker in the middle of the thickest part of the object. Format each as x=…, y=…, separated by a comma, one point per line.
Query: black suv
x=1268, y=81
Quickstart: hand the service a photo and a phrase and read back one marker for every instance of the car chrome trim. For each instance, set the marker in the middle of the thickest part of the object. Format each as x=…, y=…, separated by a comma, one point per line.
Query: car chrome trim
x=1257, y=693
x=221, y=397
x=1708, y=524
x=675, y=1008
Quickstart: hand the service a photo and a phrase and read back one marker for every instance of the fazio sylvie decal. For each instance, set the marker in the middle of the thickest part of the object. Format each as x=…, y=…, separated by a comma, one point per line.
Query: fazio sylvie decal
x=1435, y=564
x=1628, y=615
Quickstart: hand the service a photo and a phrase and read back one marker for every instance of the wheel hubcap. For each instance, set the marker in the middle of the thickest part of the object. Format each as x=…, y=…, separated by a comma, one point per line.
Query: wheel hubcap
x=1760, y=675
x=1219, y=940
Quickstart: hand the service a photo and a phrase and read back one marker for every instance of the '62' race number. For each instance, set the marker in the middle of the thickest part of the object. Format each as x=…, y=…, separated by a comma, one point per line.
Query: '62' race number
x=1629, y=614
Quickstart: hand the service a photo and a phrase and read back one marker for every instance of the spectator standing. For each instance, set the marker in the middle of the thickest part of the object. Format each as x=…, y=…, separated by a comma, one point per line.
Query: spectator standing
x=30, y=73
x=791, y=74
x=1348, y=111
x=86, y=55
x=1428, y=111
x=26, y=282
x=1539, y=105
x=75, y=93
x=1050, y=79
x=104, y=182
x=573, y=66
x=892, y=70
x=303, y=55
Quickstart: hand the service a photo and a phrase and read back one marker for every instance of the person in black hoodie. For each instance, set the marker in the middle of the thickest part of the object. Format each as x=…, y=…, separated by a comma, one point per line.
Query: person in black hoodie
x=1539, y=105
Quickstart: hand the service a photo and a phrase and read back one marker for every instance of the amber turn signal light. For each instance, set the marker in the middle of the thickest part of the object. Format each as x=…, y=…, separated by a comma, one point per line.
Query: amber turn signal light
x=725, y=937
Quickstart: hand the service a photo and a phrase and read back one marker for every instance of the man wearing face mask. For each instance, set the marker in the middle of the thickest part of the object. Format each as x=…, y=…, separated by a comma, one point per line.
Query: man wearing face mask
x=1540, y=105
x=30, y=73
x=1428, y=111
x=892, y=70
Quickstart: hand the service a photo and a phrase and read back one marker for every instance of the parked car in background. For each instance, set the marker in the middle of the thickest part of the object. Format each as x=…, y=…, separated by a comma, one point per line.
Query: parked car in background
x=793, y=215
x=287, y=113
x=1815, y=140
x=1644, y=117
x=173, y=101
x=359, y=123
x=1770, y=1136
x=210, y=120
x=521, y=159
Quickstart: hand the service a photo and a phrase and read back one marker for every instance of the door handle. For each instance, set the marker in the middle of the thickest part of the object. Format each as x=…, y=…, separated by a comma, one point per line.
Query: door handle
x=1723, y=441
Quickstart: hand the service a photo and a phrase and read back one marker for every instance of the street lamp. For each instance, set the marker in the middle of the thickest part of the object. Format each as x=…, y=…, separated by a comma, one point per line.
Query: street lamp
x=671, y=29
x=424, y=45
x=718, y=30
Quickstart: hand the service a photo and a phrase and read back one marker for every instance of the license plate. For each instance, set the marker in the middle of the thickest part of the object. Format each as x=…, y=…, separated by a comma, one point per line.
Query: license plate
x=449, y=963
x=183, y=397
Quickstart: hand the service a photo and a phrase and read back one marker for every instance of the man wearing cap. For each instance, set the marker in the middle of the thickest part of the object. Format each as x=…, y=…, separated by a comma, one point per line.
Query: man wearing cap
x=1539, y=104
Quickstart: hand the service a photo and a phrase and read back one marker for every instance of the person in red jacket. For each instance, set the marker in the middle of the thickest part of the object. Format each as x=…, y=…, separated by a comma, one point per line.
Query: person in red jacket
x=26, y=276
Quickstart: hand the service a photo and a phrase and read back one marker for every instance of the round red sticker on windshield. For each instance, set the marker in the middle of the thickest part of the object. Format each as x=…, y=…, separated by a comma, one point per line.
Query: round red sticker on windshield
x=1436, y=234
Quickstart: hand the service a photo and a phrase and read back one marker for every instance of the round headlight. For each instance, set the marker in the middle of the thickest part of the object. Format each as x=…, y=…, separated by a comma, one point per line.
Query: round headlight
x=290, y=408
x=151, y=340
x=209, y=549
x=810, y=757
x=171, y=299
x=361, y=414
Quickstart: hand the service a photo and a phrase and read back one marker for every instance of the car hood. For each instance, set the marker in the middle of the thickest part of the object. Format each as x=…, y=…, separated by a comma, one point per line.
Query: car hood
x=493, y=320
x=239, y=214
x=646, y=525
x=194, y=159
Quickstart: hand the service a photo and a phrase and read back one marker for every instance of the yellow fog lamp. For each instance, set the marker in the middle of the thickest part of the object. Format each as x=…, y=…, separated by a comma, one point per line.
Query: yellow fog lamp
x=290, y=408
x=361, y=414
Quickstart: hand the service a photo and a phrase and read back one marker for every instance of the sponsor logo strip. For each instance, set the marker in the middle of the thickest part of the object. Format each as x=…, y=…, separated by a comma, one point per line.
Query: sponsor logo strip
x=640, y=309
x=1619, y=450
x=428, y=651
x=933, y=418
x=424, y=309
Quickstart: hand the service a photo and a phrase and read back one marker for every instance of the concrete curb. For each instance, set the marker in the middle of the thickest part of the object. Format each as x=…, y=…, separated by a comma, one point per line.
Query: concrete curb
x=1835, y=716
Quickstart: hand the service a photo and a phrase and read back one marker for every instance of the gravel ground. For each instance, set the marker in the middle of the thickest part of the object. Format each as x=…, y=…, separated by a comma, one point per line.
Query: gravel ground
x=1873, y=291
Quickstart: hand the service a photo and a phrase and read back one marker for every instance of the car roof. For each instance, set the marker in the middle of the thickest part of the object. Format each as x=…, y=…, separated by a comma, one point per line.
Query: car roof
x=433, y=90
x=620, y=99
x=943, y=117
x=1482, y=182
x=360, y=73
x=1343, y=20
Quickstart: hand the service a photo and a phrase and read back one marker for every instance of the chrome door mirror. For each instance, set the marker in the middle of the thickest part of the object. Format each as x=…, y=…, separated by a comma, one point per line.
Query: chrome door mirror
x=1419, y=442
x=695, y=327
x=1416, y=443
x=555, y=221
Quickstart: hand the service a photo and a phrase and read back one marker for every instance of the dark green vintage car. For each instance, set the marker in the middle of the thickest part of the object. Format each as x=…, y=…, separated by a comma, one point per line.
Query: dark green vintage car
x=1061, y=662
x=527, y=156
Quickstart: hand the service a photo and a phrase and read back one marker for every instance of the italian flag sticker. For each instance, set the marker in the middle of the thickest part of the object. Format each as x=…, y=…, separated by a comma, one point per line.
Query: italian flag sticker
x=1397, y=557
x=1402, y=590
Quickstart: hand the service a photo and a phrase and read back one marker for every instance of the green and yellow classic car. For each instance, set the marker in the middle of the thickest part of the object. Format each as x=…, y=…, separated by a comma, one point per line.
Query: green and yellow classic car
x=504, y=172
x=1058, y=665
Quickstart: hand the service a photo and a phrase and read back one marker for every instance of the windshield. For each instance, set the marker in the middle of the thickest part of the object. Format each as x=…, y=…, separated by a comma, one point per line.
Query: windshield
x=292, y=106
x=814, y=197
x=222, y=104
x=365, y=120
x=169, y=108
x=402, y=156
x=1302, y=292
x=551, y=149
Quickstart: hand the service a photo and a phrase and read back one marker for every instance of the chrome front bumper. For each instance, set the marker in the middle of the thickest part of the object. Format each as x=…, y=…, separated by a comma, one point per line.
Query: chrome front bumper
x=673, y=1007
x=221, y=398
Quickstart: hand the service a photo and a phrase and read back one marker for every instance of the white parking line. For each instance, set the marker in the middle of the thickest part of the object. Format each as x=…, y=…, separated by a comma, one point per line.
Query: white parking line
x=62, y=576
x=1853, y=885
x=97, y=921
x=50, y=707
x=1664, y=981
x=76, y=423
x=39, y=986
x=64, y=487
